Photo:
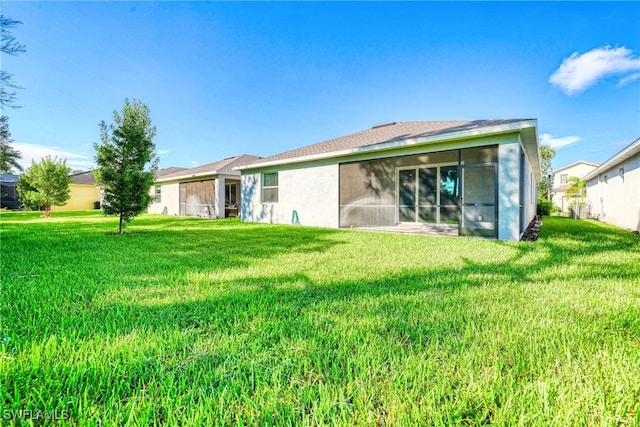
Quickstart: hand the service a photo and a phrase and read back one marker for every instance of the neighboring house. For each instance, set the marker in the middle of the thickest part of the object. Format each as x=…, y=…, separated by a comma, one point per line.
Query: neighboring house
x=8, y=193
x=613, y=189
x=467, y=177
x=561, y=184
x=208, y=191
x=84, y=193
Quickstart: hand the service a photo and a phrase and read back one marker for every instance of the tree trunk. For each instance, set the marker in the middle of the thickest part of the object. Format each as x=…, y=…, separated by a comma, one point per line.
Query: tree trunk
x=120, y=232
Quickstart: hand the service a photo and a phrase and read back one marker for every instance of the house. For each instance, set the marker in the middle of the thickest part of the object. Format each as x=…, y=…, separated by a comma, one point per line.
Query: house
x=560, y=183
x=84, y=193
x=457, y=177
x=207, y=191
x=613, y=189
x=8, y=191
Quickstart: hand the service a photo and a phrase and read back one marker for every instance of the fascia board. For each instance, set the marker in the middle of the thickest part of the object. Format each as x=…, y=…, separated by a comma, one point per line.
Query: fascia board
x=468, y=134
x=196, y=176
x=626, y=153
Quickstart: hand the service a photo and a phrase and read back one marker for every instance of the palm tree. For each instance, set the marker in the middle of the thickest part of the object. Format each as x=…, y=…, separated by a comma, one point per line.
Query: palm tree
x=577, y=192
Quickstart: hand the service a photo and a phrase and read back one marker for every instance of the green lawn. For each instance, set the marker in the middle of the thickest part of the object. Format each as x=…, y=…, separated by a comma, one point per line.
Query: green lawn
x=192, y=322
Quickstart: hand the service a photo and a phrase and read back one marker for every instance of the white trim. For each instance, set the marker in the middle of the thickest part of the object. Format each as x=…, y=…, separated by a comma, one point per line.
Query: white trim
x=196, y=176
x=462, y=135
x=626, y=153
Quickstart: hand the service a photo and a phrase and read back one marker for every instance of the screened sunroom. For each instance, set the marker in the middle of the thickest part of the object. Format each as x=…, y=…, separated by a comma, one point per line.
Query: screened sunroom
x=467, y=178
x=453, y=191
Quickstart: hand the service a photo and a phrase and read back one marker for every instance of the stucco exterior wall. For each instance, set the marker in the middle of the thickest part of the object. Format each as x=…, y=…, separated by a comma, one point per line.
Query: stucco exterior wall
x=529, y=193
x=616, y=198
x=169, y=201
x=83, y=197
x=579, y=169
x=509, y=191
x=311, y=191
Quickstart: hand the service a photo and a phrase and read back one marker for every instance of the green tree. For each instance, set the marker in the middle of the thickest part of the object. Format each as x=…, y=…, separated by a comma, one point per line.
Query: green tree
x=546, y=154
x=8, y=46
x=27, y=192
x=9, y=156
x=45, y=183
x=127, y=162
x=577, y=190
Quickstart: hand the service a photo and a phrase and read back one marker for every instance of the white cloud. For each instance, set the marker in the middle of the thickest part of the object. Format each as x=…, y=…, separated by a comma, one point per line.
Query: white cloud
x=581, y=71
x=36, y=152
x=626, y=80
x=555, y=143
x=194, y=163
x=164, y=151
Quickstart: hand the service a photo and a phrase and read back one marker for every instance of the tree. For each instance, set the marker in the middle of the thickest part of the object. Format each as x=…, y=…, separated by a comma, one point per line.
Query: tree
x=577, y=189
x=9, y=156
x=8, y=46
x=127, y=162
x=45, y=183
x=546, y=154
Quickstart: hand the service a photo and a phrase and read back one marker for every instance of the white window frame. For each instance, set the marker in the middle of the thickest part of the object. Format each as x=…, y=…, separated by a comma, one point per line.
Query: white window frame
x=269, y=187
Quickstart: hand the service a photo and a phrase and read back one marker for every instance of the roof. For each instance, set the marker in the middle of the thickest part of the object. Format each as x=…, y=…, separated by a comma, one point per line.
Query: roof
x=626, y=153
x=397, y=134
x=9, y=177
x=83, y=178
x=224, y=166
x=161, y=173
x=579, y=162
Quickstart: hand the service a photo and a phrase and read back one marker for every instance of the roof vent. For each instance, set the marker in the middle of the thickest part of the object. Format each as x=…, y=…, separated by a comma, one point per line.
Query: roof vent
x=384, y=125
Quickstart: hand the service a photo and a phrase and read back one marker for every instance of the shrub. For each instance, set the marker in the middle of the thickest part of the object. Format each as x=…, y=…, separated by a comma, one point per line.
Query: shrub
x=544, y=207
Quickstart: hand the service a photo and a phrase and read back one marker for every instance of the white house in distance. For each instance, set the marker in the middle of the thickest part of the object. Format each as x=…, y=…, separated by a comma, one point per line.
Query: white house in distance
x=613, y=189
x=561, y=184
x=462, y=177
x=207, y=191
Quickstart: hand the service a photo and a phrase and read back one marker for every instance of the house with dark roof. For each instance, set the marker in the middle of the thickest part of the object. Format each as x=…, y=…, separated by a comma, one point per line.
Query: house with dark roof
x=468, y=177
x=207, y=191
x=84, y=194
x=613, y=189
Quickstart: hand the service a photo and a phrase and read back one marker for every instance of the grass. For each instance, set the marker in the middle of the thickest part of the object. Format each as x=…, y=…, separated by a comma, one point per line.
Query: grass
x=192, y=322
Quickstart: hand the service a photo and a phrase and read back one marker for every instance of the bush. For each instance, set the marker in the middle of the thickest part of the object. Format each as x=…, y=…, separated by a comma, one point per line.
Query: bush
x=544, y=207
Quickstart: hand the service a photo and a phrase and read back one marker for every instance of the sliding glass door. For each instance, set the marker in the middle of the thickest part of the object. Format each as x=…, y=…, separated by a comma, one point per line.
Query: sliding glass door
x=428, y=194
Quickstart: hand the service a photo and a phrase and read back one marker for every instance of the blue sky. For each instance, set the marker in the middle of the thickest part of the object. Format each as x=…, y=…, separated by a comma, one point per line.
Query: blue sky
x=227, y=78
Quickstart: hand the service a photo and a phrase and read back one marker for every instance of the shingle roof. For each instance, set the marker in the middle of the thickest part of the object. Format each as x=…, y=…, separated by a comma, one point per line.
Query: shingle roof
x=391, y=132
x=579, y=162
x=83, y=178
x=224, y=165
x=161, y=173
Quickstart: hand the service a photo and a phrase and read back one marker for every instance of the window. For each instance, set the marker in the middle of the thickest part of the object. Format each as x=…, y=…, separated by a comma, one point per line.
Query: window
x=158, y=195
x=230, y=195
x=270, y=187
x=563, y=178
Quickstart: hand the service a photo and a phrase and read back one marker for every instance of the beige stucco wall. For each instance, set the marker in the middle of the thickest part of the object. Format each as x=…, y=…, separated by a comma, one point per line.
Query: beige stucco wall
x=580, y=169
x=311, y=191
x=170, y=200
x=616, y=199
x=83, y=197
